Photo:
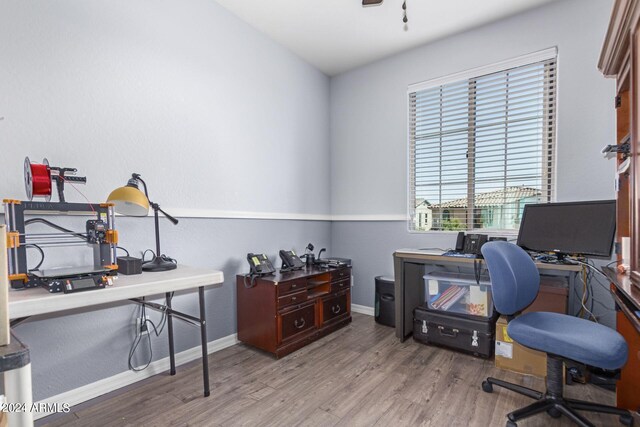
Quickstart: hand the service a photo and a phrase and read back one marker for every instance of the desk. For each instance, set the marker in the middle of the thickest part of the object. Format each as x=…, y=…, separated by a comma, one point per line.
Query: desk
x=409, y=267
x=35, y=301
x=627, y=299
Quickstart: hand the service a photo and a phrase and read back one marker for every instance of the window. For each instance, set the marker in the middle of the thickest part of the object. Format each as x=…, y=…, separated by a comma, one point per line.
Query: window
x=481, y=145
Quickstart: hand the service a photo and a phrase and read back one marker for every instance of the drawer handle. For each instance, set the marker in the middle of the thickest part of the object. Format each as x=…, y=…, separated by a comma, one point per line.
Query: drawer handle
x=300, y=324
x=335, y=309
x=294, y=286
x=294, y=298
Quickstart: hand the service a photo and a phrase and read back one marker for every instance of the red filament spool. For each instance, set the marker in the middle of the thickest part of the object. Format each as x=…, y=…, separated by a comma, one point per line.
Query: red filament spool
x=37, y=179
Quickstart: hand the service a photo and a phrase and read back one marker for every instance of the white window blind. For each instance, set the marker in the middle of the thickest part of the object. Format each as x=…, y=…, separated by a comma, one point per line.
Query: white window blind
x=481, y=148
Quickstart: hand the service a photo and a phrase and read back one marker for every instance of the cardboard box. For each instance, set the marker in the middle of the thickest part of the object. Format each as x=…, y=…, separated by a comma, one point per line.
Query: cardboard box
x=517, y=358
x=553, y=297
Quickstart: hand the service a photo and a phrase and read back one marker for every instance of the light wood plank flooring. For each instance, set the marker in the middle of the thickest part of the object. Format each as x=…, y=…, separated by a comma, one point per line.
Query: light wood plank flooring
x=358, y=376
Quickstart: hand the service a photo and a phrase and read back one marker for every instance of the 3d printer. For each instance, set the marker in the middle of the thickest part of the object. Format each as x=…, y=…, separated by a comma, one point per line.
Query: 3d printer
x=99, y=233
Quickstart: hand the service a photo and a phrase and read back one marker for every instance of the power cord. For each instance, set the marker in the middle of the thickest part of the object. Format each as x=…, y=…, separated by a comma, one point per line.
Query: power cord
x=252, y=283
x=144, y=254
x=33, y=245
x=56, y=226
x=142, y=314
x=163, y=257
x=123, y=249
x=477, y=270
x=168, y=258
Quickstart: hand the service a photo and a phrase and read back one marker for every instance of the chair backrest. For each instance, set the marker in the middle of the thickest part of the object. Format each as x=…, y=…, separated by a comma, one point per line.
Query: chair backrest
x=515, y=279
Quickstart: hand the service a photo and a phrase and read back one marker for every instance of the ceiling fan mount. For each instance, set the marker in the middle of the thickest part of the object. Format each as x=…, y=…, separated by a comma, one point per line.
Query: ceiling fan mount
x=366, y=3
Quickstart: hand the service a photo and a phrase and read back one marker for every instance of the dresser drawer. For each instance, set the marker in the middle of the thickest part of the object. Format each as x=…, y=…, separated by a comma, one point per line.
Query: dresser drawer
x=334, y=307
x=291, y=286
x=297, y=298
x=340, y=274
x=296, y=321
x=340, y=286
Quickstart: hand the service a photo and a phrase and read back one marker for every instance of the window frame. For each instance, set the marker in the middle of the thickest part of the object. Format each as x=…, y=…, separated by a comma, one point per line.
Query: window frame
x=474, y=73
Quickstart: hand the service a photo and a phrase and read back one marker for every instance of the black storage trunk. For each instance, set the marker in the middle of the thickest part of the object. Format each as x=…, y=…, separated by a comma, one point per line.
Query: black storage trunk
x=475, y=336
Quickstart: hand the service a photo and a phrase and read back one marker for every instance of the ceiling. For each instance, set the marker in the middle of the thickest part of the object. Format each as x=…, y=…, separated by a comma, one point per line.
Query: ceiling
x=338, y=35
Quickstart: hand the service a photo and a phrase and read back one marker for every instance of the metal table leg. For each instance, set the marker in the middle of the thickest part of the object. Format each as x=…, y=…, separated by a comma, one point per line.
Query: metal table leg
x=203, y=336
x=196, y=321
x=172, y=356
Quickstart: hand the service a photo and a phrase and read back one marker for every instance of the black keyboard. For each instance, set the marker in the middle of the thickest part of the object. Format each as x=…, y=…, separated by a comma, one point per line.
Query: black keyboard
x=459, y=254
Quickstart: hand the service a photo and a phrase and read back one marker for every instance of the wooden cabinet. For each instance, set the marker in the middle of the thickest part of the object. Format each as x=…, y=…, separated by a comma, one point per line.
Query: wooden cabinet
x=627, y=391
x=620, y=59
x=286, y=311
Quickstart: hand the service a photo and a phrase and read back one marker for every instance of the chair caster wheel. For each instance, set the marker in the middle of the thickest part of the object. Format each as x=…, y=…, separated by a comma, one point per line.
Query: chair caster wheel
x=627, y=420
x=554, y=413
x=511, y=423
x=487, y=387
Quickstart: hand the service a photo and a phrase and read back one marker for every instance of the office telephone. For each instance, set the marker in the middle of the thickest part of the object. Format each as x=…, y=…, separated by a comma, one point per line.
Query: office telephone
x=260, y=264
x=470, y=243
x=290, y=261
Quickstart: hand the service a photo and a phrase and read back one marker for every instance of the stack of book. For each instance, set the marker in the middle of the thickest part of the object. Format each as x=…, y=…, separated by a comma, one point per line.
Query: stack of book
x=449, y=297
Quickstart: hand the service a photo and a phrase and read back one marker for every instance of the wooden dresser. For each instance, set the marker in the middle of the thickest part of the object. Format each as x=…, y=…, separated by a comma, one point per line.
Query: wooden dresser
x=620, y=59
x=286, y=311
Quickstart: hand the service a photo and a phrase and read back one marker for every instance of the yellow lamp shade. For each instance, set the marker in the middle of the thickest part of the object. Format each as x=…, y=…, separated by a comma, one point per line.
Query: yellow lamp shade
x=129, y=201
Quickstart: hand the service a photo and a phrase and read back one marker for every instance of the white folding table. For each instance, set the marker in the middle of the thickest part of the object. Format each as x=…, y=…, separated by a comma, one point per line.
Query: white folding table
x=36, y=301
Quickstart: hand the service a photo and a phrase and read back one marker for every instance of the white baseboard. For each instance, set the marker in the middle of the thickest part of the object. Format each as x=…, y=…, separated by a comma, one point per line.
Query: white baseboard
x=363, y=309
x=106, y=385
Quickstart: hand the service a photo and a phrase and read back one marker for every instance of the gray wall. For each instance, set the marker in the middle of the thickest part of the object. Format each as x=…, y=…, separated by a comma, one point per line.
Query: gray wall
x=369, y=123
x=206, y=108
x=219, y=119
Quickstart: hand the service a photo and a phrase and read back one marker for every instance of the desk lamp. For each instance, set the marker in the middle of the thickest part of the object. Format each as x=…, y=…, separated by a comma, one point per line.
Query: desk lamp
x=130, y=201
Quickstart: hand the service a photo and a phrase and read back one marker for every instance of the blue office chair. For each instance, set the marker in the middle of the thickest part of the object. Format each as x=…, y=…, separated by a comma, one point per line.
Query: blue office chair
x=515, y=282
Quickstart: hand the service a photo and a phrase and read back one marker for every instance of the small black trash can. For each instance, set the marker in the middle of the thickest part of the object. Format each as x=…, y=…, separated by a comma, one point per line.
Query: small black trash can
x=385, y=312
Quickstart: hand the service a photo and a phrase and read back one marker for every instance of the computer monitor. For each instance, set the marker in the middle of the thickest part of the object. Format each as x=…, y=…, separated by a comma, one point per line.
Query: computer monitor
x=576, y=228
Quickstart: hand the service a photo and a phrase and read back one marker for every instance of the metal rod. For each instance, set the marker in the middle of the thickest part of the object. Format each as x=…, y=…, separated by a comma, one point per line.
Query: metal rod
x=110, y=225
x=14, y=228
x=203, y=337
x=57, y=244
x=195, y=321
x=172, y=357
x=55, y=241
x=7, y=221
x=155, y=210
x=76, y=235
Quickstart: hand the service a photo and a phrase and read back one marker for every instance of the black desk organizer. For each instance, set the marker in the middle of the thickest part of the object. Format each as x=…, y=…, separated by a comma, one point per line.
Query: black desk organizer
x=453, y=326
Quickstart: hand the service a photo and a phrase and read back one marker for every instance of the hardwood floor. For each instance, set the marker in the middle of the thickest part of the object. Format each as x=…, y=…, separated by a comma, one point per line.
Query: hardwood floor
x=358, y=376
